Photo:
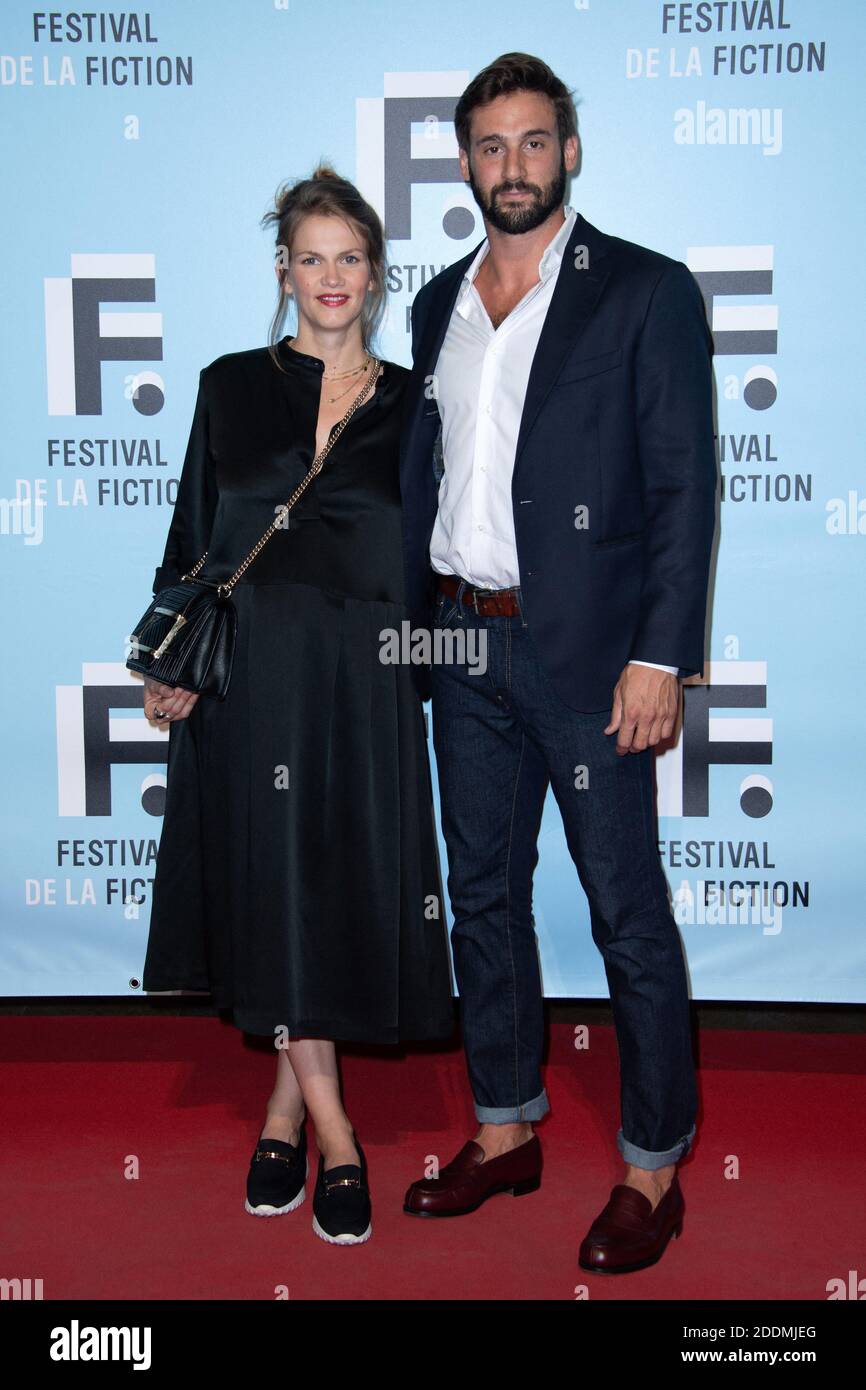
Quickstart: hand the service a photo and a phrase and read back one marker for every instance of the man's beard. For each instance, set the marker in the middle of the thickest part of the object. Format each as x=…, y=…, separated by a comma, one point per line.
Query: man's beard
x=525, y=216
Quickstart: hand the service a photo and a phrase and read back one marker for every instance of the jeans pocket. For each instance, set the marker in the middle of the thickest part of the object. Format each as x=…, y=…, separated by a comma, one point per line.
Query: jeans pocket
x=444, y=609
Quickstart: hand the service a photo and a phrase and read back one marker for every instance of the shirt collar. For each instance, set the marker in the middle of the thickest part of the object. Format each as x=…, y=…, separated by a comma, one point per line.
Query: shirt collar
x=551, y=257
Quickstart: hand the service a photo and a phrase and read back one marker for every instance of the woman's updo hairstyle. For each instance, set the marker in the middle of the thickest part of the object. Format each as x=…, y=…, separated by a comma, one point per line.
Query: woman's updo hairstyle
x=327, y=194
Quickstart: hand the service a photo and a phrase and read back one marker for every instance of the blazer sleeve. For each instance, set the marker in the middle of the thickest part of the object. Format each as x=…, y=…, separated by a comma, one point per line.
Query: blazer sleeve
x=676, y=448
x=195, y=504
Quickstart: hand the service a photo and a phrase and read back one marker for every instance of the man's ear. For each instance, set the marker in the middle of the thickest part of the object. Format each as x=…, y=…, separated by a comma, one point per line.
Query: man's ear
x=464, y=164
x=570, y=151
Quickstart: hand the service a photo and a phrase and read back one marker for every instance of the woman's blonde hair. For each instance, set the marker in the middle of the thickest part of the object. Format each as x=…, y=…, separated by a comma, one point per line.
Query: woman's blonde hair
x=327, y=194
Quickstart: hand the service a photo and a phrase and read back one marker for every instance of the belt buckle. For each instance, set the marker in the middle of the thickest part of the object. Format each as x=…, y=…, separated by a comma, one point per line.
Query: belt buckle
x=486, y=593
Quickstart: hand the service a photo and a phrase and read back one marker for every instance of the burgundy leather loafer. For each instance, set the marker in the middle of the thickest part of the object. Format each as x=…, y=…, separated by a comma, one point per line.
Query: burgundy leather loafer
x=469, y=1179
x=628, y=1233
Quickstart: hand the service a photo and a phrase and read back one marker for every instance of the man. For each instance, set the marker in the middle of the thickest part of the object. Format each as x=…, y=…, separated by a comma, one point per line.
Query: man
x=559, y=480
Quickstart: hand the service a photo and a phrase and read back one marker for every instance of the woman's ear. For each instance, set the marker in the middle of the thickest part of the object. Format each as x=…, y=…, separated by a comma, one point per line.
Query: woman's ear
x=282, y=279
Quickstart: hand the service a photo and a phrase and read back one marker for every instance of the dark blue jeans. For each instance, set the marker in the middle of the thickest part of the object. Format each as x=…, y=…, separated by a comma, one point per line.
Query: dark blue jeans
x=500, y=739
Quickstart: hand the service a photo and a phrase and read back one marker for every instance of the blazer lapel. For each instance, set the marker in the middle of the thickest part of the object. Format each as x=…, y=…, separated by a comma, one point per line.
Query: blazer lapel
x=435, y=328
x=572, y=304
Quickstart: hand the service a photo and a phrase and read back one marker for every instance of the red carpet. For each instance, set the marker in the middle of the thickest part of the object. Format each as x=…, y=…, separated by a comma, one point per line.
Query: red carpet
x=185, y=1097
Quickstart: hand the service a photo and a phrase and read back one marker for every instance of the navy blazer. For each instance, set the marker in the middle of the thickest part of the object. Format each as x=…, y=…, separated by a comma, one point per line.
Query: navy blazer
x=617, y=420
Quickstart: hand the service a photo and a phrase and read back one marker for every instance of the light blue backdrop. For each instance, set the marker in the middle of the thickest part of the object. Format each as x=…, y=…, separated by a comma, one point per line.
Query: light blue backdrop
x=117, y=168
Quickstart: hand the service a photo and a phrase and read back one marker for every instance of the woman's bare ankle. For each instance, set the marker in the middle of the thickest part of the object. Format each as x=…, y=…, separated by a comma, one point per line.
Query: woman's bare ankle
x=286, y=1128
x=336, y=1143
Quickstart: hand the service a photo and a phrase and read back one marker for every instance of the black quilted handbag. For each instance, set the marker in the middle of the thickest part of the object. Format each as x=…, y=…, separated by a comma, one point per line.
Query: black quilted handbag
x=187, y=634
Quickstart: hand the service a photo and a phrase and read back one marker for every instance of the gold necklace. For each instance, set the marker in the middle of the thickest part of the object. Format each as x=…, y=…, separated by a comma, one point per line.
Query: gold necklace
x=345, y=392
x=339, y=376
x=353, y=371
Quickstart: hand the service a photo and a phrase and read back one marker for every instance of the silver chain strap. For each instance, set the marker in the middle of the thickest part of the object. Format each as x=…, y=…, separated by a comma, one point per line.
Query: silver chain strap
x=316, y=467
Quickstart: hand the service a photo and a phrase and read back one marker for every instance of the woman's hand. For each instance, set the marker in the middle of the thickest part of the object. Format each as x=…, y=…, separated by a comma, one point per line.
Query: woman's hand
x=172, y=701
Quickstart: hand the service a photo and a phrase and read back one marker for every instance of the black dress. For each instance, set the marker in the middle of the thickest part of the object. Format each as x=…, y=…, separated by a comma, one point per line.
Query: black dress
x=298, y=875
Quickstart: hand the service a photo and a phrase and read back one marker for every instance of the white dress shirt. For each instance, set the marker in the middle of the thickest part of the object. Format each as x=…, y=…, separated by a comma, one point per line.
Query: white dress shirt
x=480, y=383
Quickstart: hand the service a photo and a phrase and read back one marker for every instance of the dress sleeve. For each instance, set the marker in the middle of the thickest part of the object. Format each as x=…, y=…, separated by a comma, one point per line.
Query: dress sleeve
x=195, y=505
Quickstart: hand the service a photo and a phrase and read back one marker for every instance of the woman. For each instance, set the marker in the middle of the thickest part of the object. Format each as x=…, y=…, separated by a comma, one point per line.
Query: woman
x=298, y=875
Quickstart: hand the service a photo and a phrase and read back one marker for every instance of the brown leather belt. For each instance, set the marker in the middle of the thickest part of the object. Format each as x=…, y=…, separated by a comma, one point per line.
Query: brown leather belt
x=489, y=602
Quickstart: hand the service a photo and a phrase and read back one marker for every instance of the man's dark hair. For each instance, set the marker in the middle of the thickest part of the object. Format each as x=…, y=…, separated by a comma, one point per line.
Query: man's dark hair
x=515, y=72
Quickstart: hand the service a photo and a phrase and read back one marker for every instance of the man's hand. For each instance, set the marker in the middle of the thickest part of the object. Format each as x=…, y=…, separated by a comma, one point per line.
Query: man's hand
x=173, y=700
x=645, y=704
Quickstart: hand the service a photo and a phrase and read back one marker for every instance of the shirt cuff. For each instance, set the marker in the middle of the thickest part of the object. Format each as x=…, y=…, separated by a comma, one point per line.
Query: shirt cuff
x=655, y=665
